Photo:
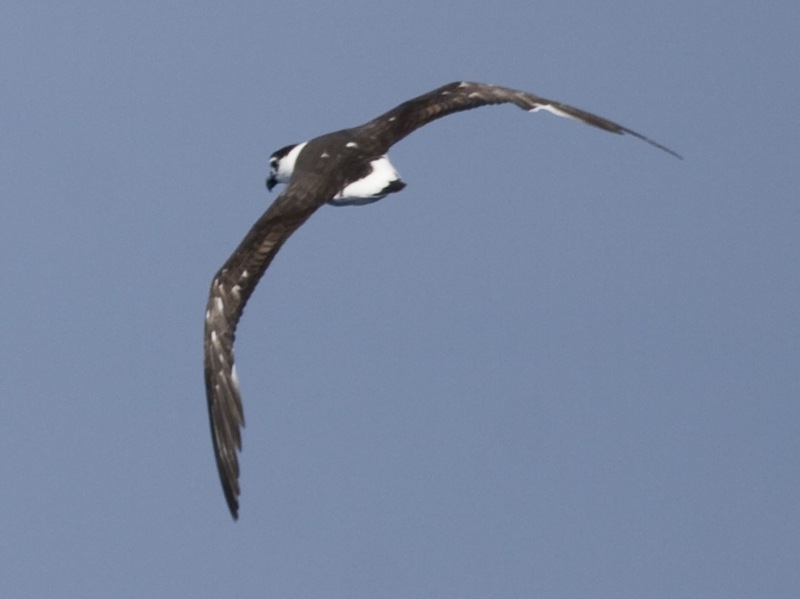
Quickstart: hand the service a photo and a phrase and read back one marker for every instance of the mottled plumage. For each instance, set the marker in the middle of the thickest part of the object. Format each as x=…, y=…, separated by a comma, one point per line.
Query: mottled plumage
x=344, y=167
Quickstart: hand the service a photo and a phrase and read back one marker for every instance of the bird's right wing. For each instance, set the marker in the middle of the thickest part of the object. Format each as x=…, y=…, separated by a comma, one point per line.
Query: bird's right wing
x=392, y=126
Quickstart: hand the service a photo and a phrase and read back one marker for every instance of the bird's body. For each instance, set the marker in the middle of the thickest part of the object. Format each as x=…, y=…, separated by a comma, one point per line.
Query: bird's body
x=347, y=167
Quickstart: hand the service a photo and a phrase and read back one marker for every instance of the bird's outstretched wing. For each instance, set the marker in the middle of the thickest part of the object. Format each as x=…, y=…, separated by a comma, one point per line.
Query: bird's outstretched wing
x=409, y=116
x=230, y=290
x=318, y=176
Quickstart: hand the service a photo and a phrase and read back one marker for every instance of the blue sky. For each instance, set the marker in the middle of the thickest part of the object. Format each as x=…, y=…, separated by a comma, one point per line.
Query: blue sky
x=560, y=363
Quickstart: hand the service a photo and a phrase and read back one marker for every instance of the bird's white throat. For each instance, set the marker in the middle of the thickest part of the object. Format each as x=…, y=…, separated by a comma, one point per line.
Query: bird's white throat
x=285, y=167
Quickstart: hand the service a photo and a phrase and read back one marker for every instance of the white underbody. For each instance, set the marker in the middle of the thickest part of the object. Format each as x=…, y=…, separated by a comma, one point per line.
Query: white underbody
x=375, y=186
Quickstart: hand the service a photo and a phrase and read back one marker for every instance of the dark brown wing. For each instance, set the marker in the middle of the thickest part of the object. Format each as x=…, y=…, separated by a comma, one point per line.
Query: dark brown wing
x=230, y=290
x=391, y=127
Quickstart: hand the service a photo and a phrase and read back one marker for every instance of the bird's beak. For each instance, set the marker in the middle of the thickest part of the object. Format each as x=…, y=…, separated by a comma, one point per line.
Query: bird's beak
x=271, y=182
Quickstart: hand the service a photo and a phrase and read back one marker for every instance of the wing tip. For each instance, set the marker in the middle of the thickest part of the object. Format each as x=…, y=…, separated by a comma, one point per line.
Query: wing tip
x=655, y=144
x=230, y=489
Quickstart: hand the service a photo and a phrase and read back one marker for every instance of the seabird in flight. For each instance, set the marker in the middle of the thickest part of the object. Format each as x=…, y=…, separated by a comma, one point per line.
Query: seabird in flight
x=347, y=167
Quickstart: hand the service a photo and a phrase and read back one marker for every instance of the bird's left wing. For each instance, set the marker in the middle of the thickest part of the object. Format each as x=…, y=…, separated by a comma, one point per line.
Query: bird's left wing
x=230, y=290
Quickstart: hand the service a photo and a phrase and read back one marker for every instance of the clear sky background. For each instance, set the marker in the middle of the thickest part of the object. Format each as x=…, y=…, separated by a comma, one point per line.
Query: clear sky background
x=561, y=363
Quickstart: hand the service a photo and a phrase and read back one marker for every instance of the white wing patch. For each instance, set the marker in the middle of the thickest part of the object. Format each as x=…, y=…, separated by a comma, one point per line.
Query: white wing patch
x=552, y=110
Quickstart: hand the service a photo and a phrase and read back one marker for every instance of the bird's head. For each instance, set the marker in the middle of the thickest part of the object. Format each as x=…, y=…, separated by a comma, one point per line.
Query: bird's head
x=281, y=164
